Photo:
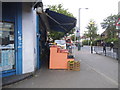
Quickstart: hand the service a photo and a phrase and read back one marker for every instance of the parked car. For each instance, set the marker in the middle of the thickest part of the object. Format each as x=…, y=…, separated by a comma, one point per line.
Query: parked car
x=50, y=44
x=61, y=43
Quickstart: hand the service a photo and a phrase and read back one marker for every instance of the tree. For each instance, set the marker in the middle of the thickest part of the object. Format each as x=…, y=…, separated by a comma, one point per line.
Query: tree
x=86, y=35
x=92, y=30
x=55, y=35
x=109, y=25
x=59, y=8
x=73, y=37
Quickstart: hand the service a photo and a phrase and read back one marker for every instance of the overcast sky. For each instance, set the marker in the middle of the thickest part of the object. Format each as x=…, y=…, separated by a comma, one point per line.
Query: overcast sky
x=98, y=10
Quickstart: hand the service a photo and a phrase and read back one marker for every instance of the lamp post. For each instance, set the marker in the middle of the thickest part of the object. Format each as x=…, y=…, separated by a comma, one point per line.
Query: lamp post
x=79, y=46
x=118, y=46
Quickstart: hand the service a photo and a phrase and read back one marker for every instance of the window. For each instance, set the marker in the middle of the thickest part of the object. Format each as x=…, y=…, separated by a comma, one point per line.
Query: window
x=7, y=60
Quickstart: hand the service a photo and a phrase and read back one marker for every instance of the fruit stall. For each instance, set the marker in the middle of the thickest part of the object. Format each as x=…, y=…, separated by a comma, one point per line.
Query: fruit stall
x=60, y=59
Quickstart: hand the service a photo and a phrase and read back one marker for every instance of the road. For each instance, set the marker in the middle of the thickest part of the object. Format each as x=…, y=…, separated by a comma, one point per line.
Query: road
x=97, y=71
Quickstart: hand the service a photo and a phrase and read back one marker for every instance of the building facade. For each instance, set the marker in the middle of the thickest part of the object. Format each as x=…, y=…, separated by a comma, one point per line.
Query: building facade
x=23, y=35
x=18, y=32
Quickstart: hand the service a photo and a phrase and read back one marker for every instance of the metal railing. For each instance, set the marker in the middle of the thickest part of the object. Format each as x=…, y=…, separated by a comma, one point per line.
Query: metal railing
x=111, y=52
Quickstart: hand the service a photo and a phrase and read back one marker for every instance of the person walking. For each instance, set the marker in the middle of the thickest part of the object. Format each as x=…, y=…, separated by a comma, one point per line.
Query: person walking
x=111, y=46
x=69, y=45
x=104, y=48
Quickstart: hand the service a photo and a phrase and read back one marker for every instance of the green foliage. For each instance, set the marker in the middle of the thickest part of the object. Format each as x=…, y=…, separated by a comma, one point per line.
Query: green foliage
x=59, y=8
x=73, y=37
x=109, y=22
x=56, y=35
x=86, y=34
x=92, y=30
x=111, y=40
x=109, y=25
x=86, y=42
x=94, y=43
x=91, y=33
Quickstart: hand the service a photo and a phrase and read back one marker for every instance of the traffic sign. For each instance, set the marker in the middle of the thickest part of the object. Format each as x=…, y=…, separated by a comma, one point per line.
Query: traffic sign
x=77, y=33
x=118, y=24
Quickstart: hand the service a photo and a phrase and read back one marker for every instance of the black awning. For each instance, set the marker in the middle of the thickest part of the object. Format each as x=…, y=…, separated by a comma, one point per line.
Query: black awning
x=60, y=22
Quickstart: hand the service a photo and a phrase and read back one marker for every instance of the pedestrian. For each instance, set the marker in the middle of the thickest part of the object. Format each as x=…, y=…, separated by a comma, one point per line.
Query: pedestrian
x=70, y=49
x=104, y=48
x=79, y=46
x=68, y=44
x=111, y=46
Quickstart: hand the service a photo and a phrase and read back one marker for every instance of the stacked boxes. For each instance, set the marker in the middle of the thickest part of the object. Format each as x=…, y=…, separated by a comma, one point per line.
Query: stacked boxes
x=77, y=65
x=70, y=65
x=73, y=65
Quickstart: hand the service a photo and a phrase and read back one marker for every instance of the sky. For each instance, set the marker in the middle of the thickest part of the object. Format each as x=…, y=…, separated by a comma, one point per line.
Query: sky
x=97, y=10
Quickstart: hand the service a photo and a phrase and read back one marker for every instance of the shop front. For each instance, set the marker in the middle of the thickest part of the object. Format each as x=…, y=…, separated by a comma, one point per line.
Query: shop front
x=19, y=29
x=10, y=30
x=23, y=32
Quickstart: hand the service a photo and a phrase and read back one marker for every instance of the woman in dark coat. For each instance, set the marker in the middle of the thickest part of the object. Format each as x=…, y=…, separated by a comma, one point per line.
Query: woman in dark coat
x=104, y=48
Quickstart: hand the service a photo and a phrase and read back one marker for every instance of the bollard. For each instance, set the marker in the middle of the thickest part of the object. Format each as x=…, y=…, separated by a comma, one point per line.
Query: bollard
x=79, y=47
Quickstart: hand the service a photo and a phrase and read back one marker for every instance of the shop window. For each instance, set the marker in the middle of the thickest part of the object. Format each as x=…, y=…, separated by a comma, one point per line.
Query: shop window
x=7, y=55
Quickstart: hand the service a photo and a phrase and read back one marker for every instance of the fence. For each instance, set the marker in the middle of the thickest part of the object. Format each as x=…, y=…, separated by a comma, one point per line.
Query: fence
x=109, y=52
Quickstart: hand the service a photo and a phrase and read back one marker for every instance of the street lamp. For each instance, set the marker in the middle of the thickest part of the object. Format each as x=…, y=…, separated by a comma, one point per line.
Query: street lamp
x=79, y=46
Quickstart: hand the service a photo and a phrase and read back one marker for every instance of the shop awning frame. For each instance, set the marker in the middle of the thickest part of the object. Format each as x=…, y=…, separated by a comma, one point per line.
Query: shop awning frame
x=60, y=22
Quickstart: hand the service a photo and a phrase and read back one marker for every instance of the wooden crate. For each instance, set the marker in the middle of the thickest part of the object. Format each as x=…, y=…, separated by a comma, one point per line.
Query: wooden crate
x=70, y=66
x=75, y=66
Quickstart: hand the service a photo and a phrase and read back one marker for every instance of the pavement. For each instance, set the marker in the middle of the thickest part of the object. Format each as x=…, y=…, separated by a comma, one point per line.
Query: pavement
x=97, y=71
x=15, y=78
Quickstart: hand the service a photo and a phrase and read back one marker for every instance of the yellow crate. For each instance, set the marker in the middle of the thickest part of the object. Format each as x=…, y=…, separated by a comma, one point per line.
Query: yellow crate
x=70, y=66
x=74, y=65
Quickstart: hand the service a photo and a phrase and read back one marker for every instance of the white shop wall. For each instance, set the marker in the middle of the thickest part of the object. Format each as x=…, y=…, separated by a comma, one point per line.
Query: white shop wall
x=29, y=38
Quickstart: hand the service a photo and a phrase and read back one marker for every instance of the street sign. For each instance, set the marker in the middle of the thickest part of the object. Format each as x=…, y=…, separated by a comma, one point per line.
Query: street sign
x=118, y=24
x=77, y=33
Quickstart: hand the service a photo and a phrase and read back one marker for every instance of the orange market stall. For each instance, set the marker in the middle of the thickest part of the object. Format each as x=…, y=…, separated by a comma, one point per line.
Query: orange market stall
x=58, y=58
